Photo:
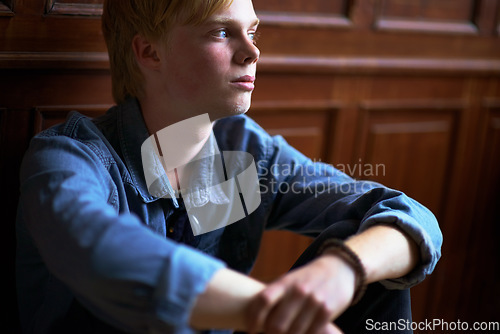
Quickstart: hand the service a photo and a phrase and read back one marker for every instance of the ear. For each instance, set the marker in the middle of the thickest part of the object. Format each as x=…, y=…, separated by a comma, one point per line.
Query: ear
x=146, y=53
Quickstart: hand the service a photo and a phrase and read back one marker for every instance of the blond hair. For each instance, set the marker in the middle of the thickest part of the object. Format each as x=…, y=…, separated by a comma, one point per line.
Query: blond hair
x=152, y=19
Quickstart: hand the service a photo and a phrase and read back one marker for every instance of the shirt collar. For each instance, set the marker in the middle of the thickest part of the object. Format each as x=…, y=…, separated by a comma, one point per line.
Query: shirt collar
x=146, y=168
x=133, y=133
x=207, y=173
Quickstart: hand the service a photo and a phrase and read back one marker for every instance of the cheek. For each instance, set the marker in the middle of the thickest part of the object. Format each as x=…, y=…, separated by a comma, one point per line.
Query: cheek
x=198, y=71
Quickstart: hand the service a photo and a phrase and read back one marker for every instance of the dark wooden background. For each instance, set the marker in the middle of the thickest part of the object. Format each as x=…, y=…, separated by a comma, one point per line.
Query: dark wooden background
x=410, y=84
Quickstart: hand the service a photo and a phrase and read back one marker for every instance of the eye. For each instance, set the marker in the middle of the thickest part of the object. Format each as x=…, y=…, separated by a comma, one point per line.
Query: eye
x=253, y=36
x=222, y=34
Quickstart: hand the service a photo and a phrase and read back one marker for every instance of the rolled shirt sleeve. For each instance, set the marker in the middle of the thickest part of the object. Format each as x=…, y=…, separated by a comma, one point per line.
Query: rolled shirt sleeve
x=132, y=277
x=311, y=197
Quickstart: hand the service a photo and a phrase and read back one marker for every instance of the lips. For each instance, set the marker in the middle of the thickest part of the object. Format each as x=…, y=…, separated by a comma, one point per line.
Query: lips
x=245, y=82
x=245, y=78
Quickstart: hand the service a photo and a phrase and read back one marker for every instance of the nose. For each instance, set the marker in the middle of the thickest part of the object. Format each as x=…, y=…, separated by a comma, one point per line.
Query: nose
x=248, y=53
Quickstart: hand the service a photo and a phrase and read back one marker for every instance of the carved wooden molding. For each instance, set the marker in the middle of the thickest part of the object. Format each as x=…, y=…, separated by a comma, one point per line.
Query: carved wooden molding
x=480, y=20
x=288, y=106
x=273, y=63
x=6, y=7
x=304, y=64
x=418, y=104
x=53, y=7
x=459, y=28
x=485, y=16
x=495, y=123
x=304, y=20
x=320, y=14
x=46, y=116
x=54, y=60
x=492, y=103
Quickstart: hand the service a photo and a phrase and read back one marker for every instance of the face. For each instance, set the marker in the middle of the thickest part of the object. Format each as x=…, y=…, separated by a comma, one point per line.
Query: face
x=210, y=68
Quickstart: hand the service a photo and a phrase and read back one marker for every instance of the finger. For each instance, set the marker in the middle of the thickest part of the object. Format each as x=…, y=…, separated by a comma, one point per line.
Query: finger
x=260, y=307
x=304, y=319
x=286, y=310
x=322, y=321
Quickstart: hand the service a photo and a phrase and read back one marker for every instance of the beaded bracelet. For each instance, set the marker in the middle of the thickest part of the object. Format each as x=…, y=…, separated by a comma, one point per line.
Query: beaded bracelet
x=339, y=248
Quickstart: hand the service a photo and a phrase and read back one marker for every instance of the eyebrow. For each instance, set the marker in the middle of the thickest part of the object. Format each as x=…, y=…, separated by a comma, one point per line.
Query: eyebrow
x=229, y=21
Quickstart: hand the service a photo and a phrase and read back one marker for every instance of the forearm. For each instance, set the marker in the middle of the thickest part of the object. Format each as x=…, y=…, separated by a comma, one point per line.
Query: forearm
x=224, y=302
x=385, y=252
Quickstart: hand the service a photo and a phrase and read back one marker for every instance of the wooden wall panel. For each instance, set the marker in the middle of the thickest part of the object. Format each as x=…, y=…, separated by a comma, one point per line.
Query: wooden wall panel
x=320, y=13
x=47, y=116
x=305, y=128
x=486, y=228
x=273, y=87
x=279, y=251
x=486, y=16
x=438, y=113
x=72, y=7
x=477, y=252
x=306, y=131
x=408, y=148
x=27, y=89
x=446, y=16
x=497, y=21
x=337, y=7
x=6, y=8
x=449, y=10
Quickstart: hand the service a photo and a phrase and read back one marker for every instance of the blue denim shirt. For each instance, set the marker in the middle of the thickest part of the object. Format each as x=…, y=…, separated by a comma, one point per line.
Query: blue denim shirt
x=89, y=230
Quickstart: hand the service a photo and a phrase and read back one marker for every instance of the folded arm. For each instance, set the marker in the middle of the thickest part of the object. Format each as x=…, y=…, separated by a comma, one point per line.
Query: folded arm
x=309, y=298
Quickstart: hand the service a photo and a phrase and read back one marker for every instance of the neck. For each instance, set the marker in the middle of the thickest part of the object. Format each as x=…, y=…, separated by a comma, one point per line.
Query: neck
x=181, y=135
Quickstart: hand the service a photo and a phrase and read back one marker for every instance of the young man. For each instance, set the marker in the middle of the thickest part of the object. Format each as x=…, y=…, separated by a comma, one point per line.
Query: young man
x=104, y=247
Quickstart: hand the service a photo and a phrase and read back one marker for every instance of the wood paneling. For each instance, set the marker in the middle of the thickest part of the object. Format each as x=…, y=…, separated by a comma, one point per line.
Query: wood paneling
x=48, y=116
x=304, y=126
x=446, y=16
x=304, y=130
x=449, y=10
x=413, y=85
x=274, y=88
x=6, y=8
x=42, y=26
x=334, y=7
x=375, y=65
x=27, y=89
x=485, y=16
x=408, y=147
x=486, y=227
x=71, y=7
x=279, y=251
x=318, y=13
x=498, y=20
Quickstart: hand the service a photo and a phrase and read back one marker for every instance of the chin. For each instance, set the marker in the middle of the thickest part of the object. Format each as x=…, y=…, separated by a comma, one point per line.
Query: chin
x=239, y=108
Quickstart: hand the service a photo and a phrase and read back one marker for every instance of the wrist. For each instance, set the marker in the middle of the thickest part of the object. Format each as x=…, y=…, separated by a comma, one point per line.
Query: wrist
x=337, y=248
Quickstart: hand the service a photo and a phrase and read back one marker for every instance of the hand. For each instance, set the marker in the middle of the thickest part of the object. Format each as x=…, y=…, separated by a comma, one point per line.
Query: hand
x=305, y=300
